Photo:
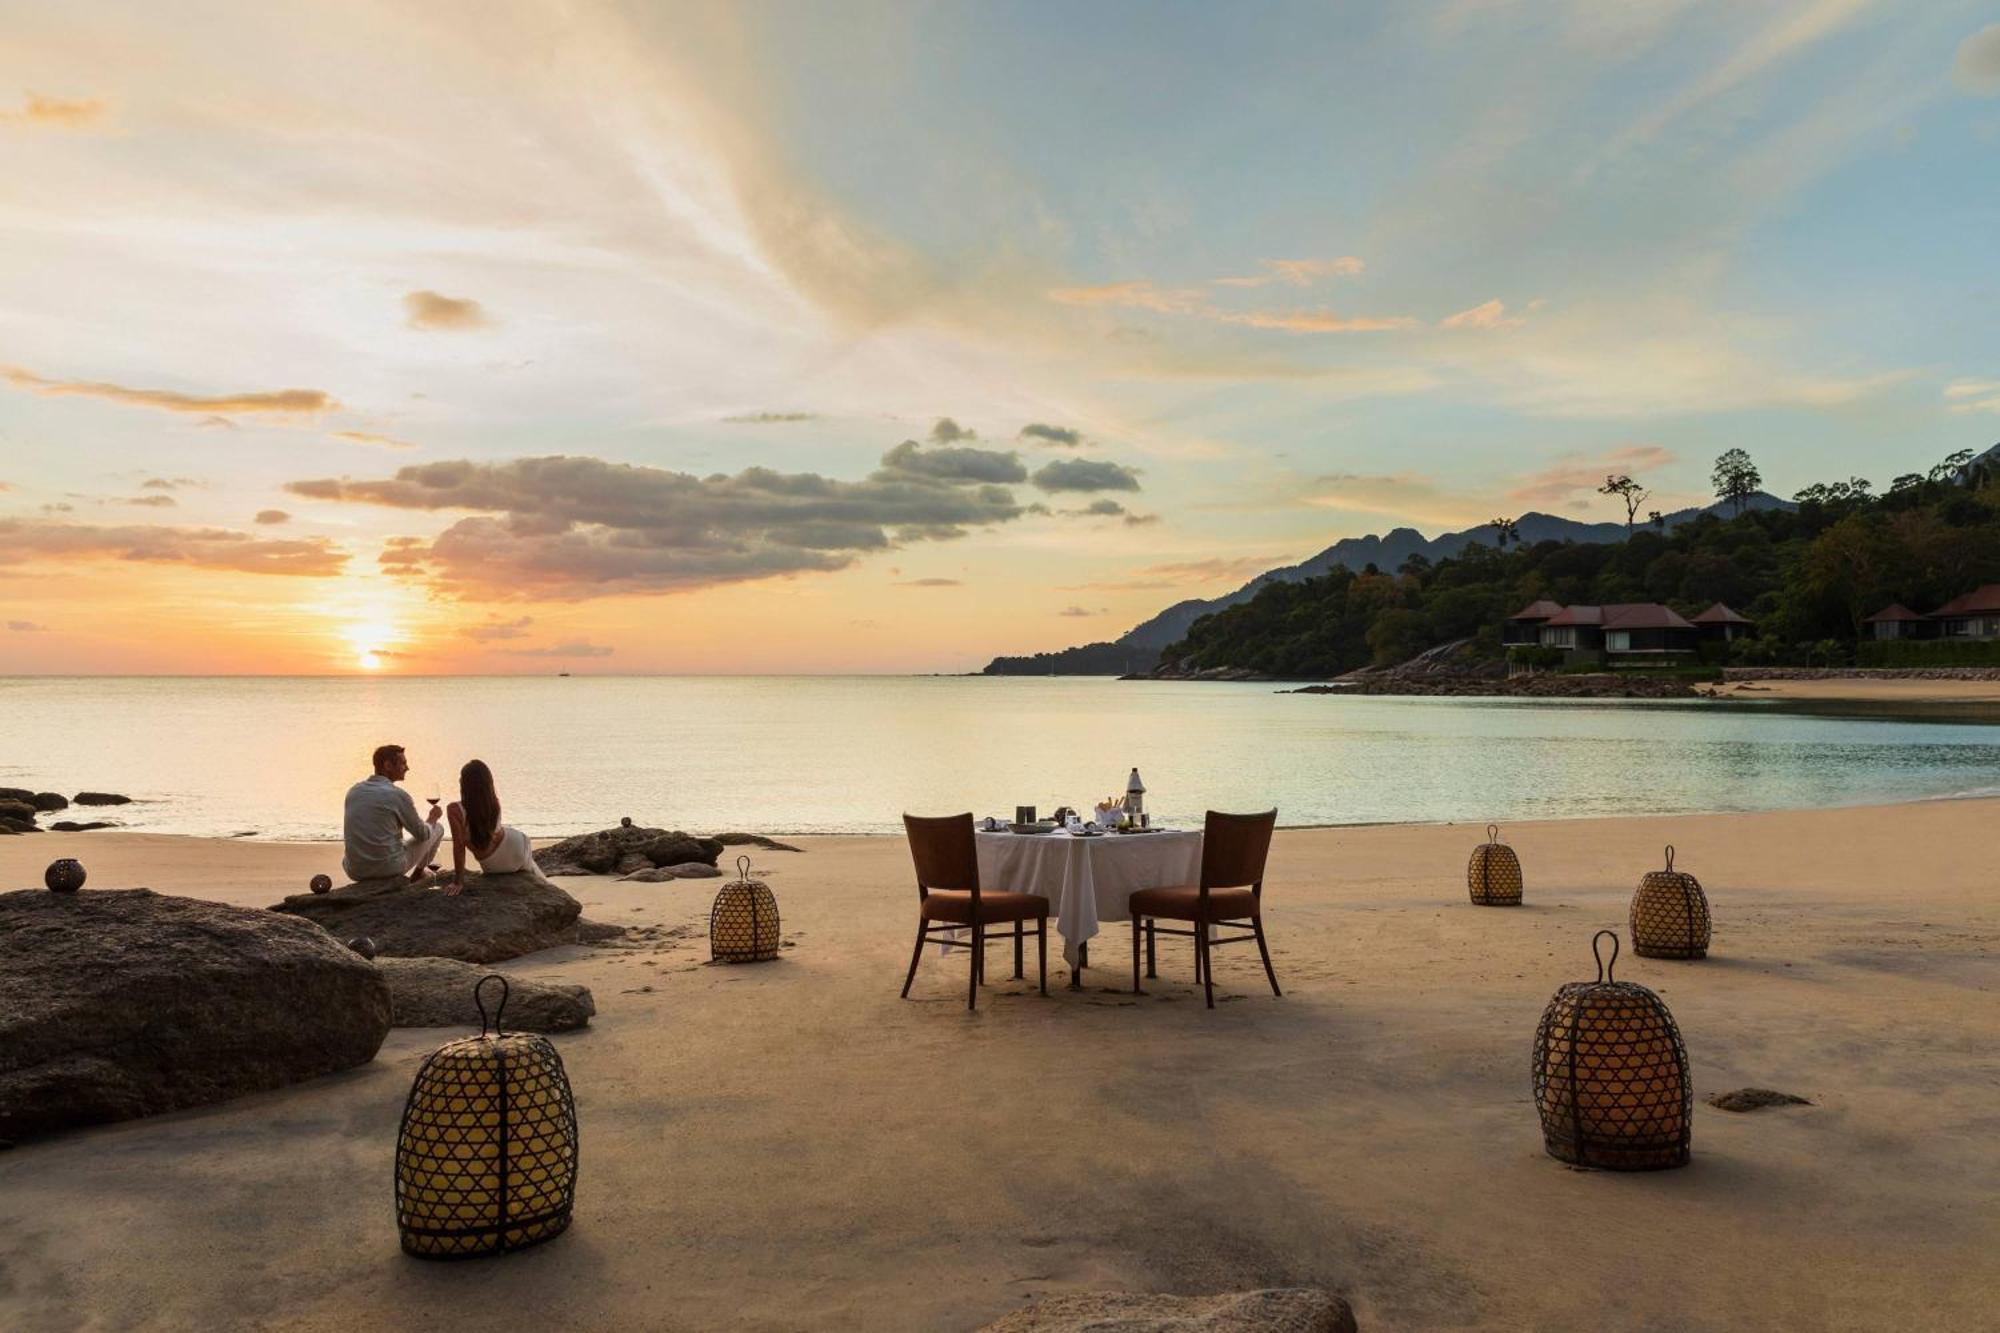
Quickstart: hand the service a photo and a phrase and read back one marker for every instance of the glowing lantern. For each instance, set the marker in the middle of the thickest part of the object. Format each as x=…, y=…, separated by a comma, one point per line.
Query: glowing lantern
x=743, y=924
x=64, y=876
x=1670, y=915
x=1611, y=1075
x=486, y=1159
x=1494, y=874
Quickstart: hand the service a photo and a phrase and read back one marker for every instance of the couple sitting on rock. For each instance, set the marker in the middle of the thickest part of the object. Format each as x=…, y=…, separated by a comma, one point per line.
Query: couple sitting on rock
x=379, y=813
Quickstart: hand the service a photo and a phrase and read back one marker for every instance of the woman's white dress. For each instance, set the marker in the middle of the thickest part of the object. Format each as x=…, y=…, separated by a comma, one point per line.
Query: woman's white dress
x=510, y=855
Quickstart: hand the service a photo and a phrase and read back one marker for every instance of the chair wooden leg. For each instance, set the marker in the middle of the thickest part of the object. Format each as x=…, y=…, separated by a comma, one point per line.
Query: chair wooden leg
x=1257, y=924
x=1151, y=969
x=1042, y=954
x=1135, y=957
x=915, y=955
x=972, y=973
x=1017, y=950
x=1207, y=959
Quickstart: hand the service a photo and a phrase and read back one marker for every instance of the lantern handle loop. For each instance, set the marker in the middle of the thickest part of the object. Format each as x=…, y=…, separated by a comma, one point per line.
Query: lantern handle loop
x=1492, y=833
x=479, y=1000
x=1604, y=968
x=743, y=869
x=1670, y=858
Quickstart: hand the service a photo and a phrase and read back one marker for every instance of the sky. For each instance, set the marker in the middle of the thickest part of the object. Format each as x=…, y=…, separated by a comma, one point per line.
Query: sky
x=451, y=338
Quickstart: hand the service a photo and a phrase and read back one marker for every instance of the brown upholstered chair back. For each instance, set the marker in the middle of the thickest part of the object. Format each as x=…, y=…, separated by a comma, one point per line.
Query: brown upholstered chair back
x=946, y=856
x=1233, y=848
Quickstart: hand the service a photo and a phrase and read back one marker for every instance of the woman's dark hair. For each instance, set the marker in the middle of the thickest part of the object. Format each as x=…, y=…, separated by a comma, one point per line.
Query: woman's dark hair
x=481, y=802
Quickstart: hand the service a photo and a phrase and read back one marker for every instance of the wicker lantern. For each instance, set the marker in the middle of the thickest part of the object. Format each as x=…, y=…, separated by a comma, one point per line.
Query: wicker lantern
x=64, y=876
x=1494, y=874
x=487, y=1156
x=1611, y=1075
x=743, y=925
x=1670, y=915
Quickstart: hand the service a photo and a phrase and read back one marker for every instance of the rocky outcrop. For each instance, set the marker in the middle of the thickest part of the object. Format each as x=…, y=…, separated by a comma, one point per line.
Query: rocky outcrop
x=84, y=826
x=437, y=993
x=49, y=802
x=495, y=918
x=22, y=810
x=687, y=870
x=1278, y=1310
x=17, y=794
x=1753, y=1099
x=623, y=850
x=126, y=1003
x=754, y=840
x=101, y=798
x=1543, y=685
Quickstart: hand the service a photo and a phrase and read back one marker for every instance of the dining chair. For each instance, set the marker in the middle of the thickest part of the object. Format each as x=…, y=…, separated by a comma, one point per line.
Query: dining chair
x=950, y=898
x=1231, y=892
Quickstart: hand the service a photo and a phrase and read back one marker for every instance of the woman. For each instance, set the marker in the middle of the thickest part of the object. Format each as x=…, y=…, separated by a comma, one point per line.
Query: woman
x=476, y=826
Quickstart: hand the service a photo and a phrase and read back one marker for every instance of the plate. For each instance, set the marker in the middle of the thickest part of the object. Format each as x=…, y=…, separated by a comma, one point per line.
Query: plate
x=1032, y=828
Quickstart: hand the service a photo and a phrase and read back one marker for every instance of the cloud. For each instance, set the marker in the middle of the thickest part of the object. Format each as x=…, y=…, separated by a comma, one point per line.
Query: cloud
x=1976, y=66
x=931, y=583
x=769, y=418
x=1312, y=321
x=270, y=516
x=946, y=431
x=287, y=401
x=1061, y=436
x=1235, y=569
x=569, y=527
x=167, y=483
x=963, y=464
x=494, y=628
x=430, y=311
x=1297, y=272
x=573, y=648
x=154, y=501
x=1085, y=474
x=1489, y=315
x=1577, y=474
x=1404, y=494
x=1973, y=396
x=23, y=540
x=216, y=423
x=64, y=113
x=26, y=627
x=369, y=438
x=1130, y=295
x=1080, y=611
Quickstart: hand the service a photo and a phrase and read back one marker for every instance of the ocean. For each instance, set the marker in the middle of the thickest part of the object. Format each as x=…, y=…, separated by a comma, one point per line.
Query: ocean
x=271, y=757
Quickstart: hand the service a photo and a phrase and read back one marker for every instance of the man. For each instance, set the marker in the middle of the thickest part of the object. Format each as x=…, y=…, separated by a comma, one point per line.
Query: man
x=378, y=814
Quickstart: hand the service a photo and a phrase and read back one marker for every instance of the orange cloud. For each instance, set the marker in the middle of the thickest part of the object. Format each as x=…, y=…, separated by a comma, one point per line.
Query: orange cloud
x=27, y=540
x=429, y=310
x=1561, y=481
x=366, y=437
x=1216, y=568
x=168, y=400
x=1488, y=315
x=1130, y=295
x=64, y=113
x=1313, y=321
x=1297, y=272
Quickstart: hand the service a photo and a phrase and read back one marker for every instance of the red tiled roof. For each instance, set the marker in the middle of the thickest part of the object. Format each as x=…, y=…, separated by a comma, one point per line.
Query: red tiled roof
x=1721, y=615
x=1893, y=611
x=1539, y=610
x=1643, y=615
x=1576, y=615
x=1981, y=602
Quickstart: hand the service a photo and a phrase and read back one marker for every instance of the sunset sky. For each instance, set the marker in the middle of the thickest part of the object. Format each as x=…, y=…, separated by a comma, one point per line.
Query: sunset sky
x=883, y=337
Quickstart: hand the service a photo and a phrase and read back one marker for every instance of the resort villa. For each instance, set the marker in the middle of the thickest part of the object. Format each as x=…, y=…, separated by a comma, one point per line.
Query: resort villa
x=1622, y=633
x=1976, y=615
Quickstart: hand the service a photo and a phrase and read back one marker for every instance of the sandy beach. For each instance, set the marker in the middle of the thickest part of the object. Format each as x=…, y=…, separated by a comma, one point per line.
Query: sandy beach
x=1862, y=689
x=792, y=1146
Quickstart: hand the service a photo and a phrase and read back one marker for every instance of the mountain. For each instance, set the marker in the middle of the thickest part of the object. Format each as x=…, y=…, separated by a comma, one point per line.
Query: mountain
x=1135, y=649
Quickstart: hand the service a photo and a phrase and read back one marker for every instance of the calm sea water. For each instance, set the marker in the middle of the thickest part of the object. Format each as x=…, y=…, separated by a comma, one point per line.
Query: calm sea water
x=851, y=754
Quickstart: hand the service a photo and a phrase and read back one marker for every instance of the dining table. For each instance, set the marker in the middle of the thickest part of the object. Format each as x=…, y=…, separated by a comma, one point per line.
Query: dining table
x=1087, y=878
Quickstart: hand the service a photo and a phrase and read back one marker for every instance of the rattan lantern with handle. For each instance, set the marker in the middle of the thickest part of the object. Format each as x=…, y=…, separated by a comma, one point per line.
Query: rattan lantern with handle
x=743, y=924
x=1494, y=874
x=486, y=1159
x=1670, y=915
x=1611, y=1075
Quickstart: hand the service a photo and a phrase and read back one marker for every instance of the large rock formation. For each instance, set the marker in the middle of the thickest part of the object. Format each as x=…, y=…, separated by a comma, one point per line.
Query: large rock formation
x=437, y=993
x=102, y=798
x=1279, y=1310
x=624, y=850
x=495, y=918
x=126, y=1003
x=49, y=802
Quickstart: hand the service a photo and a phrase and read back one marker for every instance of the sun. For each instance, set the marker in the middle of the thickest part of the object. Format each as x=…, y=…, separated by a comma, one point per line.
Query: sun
x=368, y=660
x=370, y=640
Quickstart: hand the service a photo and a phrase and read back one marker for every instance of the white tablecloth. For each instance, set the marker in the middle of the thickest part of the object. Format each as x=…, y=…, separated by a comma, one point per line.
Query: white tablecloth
x=1087, y=880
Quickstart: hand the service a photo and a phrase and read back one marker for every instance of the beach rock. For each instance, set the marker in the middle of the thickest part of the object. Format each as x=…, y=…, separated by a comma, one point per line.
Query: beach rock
x=495, y=918
x=1278, y=1310
x=24, y=811
x=596, y=932
x=754, y=840
x=101, y=798
x=693, y=870
x=8, y=825
x=123, y=1003
x=437, y=993
x=17, y=794
x=1753, y=1099
x=632, y=861
x=49, y=802
x=85, y=826
x=603, y=852
x=652, y=875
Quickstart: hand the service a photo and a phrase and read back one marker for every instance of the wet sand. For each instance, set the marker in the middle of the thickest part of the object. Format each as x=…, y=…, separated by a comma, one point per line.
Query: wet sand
x=1862, y=689
x=791, y=1146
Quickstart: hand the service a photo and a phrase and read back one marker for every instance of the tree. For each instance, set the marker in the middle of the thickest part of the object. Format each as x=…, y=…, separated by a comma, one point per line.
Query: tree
x=1736, y=479
x=1950, y=466
x=1505, y=530
x=1628, y=490
x=1657, y=519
